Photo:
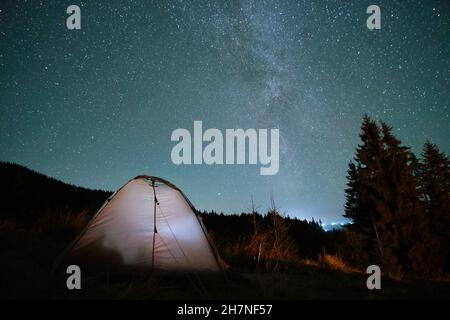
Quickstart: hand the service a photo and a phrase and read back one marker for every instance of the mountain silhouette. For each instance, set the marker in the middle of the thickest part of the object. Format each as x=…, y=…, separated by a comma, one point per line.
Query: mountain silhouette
x=26, y=194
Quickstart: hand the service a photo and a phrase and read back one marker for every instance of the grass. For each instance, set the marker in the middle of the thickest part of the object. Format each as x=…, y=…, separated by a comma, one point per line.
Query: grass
x=27, y=256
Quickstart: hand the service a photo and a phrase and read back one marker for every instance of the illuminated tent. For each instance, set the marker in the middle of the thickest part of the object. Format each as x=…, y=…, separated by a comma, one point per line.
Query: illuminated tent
x=147, y=224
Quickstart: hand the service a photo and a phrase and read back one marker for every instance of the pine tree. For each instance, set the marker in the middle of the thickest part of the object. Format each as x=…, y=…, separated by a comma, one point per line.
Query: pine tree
x=434, y=181
x=360, y=173
x=353, y=202
x=364, y=179
x=383, y=204
x=403, y=216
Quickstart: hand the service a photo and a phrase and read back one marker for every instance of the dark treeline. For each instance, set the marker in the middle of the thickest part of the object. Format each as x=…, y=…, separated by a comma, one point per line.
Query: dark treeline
x=27, y=195
x=247, y=236
x=399, y=205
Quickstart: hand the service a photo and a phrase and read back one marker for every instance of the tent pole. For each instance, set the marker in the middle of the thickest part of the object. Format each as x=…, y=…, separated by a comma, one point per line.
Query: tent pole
x=154, y=224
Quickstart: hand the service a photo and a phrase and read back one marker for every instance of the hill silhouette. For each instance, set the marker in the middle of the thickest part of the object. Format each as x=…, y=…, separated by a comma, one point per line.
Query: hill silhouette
x=27, y=194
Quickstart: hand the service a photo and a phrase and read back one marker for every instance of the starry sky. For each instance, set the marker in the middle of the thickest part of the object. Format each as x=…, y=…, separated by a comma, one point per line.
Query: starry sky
x=97, y=106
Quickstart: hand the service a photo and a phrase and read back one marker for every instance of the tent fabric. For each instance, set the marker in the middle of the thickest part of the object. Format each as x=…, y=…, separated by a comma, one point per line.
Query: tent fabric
x=148, y=224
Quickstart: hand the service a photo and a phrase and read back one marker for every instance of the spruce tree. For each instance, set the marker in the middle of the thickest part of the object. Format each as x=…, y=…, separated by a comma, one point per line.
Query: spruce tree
x=434, y=181
x=403, y=214
x=383, y=202
x=364, y=175
x=353, y=202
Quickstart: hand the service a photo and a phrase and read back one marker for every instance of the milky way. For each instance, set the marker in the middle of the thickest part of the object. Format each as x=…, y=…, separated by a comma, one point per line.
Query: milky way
x=96, y=106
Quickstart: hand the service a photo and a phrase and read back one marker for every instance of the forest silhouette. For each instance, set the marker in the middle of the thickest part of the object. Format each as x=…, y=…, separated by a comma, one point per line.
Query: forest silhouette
x=398, y=204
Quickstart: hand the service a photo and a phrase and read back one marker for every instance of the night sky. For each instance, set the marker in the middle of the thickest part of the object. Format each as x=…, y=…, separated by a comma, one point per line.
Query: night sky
x=97, y=106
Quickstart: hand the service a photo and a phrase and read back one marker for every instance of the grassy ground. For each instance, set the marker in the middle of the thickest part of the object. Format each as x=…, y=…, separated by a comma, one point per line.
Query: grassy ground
x=27, y=256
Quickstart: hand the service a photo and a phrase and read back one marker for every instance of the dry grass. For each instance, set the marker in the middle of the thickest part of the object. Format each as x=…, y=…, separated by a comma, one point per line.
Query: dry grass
x=335, y=263
x=268, y=247
x=65, y=222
